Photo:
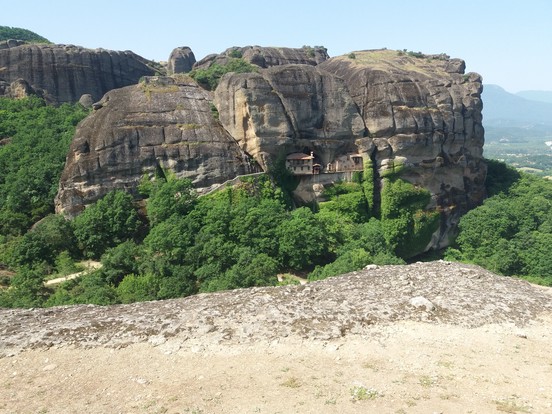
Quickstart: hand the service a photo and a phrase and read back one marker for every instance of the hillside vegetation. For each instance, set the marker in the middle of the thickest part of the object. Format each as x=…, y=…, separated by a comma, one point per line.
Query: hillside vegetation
x=34, y=140
x=7, y=33
x=240, y=237
x=511, y=233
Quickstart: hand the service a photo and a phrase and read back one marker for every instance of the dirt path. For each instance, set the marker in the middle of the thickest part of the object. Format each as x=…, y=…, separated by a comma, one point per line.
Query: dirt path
x=90, y=266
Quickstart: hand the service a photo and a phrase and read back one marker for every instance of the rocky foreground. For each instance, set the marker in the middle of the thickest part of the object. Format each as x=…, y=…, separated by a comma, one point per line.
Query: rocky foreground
x=427, y=337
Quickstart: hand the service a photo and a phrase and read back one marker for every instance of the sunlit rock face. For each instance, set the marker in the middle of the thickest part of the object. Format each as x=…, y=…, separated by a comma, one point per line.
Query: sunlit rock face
x=159, y=124
x=65, y=72
x=286, y=109
x=420, y=115
x=423, y=114
x=181, y=60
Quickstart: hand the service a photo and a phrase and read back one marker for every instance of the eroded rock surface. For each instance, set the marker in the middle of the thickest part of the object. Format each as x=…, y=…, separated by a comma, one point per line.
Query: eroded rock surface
x=161, y=122
x=66, y=72
x=422, y=113
x=181, y=60
x=414, y=115
x=346, y=306
x=287, y=109
x=17, y=89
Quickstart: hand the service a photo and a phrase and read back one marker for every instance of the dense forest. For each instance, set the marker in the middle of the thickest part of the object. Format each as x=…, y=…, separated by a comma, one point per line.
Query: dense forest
x=174, y=243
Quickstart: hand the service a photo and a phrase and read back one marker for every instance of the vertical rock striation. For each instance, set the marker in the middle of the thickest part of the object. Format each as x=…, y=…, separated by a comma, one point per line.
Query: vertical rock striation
x=416, y=116
x=286, y=109
x=65, y=72
x=423, y=115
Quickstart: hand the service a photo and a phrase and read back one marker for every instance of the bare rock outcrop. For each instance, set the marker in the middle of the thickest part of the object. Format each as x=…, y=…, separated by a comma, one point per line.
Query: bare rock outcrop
x=342, y=307
x=424, y=116
x=18, y=89
x=287, y=108
x=181, y=60
x=66, y=72
x=265, y=57
x=161, y=122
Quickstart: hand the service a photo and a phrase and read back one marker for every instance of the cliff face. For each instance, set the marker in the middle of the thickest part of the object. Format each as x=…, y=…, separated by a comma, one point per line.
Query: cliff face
x=133, y=131
x=423, y=114
x=64, y=72
x=285, y=109
x=420, y=115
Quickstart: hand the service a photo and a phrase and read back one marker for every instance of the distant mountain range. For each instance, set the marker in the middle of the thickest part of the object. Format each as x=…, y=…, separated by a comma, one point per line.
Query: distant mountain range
x=525, y=109
x=542, y=96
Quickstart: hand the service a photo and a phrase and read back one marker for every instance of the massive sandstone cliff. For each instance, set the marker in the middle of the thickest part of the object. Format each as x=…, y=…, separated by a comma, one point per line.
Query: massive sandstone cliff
x=159, y=123
x=289, y=108
x=423, y=113
x=418, y=116
x=63, y=73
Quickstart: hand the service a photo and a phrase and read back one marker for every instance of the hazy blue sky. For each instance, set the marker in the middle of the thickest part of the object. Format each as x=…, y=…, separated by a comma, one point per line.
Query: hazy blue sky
x=508, y=42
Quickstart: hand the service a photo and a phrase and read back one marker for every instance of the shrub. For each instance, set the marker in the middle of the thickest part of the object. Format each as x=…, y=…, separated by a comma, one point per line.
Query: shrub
x=134, y=288
x=210, y=77
x=406, y=225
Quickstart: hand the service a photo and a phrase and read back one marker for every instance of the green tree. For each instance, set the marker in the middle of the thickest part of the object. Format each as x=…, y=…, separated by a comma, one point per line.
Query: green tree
x=170, y=197
x=106, y=223
x=407, y=226
x=351, y=260
x=138, y=288
x=251, y=269
x=120, y=261
x=43, y=244
x=210, y=77
x=89, y=289
x=35, y=140
x=7, y=33
x=302, y=241
x=26, y=289
x=511, y=233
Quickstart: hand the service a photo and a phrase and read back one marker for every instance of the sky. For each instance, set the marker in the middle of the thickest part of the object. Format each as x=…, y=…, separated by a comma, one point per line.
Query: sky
x=508, y=42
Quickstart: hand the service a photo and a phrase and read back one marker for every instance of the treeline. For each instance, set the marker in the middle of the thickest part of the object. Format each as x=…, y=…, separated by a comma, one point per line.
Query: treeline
x=7, y=33
x=239, y=237
x=34, y=140
x=511, y=233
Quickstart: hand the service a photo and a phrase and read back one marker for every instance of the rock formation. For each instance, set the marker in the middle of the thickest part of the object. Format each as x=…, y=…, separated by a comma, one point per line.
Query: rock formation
x=182, y=60
x=417, y=116
x=346, y=306
x=66, y=72
x=159, y=123
x=424, y=338
x=424, y=115
x=285, y=109
x=17, y=89
x=265, y=57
